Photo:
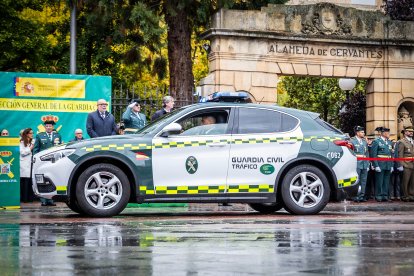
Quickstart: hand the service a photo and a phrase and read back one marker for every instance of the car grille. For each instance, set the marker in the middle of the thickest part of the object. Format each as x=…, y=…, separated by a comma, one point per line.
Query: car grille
x=48, y=188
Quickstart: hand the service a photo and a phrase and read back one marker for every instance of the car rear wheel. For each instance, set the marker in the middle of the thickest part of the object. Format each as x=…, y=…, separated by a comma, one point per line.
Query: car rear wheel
x=266, y=208
x=73, y=205
x=102, y=190
x=305, y=190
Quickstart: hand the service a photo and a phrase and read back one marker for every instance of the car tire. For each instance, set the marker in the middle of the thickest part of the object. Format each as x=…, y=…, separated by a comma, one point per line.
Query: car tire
x=102, y=190
x=305, y=190
x=266, y=208
x=73, y=205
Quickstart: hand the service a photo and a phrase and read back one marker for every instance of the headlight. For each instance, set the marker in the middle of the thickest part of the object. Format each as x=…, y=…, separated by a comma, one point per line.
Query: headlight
x=55, y=156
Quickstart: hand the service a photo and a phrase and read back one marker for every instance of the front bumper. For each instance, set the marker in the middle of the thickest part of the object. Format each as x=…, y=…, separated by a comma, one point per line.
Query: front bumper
x=50, y=180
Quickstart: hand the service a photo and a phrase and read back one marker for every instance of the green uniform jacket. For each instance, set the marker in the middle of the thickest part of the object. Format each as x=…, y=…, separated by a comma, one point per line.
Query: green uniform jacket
x=361, y=150
x=381, y=148
x=43, y=142
x=405, y=149
x=133, y=120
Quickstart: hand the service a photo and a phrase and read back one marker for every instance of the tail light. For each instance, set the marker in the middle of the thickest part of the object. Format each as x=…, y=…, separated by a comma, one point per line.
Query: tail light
x=344, y=143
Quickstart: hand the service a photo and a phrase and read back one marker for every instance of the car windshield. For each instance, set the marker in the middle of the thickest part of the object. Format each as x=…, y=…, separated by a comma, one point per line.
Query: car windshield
x=155, y=124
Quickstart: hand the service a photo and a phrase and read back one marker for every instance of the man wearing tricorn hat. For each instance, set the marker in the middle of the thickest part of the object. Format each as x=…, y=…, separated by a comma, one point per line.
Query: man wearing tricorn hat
x=45, y=140
x=406, y=150
x=361, y=150
x=132, y=117
x=382, y=148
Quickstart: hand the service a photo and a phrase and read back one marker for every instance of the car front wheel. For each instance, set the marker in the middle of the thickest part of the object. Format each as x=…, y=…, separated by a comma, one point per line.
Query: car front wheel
x=305, y=190
x=102, y=190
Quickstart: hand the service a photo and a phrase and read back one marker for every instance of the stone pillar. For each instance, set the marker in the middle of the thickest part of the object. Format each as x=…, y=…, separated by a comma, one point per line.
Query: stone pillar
x=383, y=98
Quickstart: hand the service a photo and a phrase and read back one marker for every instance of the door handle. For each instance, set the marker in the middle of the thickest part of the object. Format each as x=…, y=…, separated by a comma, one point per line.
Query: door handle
x=217, y=144
x=287, y=142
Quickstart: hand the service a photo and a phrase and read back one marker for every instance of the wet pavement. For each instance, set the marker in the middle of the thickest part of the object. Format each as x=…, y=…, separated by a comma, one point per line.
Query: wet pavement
x=344, y=239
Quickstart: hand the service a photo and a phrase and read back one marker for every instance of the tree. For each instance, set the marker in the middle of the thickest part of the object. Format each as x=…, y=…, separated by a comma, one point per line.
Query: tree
x=22, y=40
x=183, y=18
x=400, y=9
x=321, y=95
x=355, y=113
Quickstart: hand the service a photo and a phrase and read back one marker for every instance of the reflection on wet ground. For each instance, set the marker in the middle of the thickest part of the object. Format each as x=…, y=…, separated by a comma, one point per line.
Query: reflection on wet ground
x=345, y=239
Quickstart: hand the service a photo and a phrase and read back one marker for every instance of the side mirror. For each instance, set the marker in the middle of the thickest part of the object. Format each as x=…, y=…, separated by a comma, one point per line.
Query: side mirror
x=172, y=128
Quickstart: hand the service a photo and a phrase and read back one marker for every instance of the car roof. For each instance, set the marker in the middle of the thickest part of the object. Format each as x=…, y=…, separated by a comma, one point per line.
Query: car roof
x=292, y=111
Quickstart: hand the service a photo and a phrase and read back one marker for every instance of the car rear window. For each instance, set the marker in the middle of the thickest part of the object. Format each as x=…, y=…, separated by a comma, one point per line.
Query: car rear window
x=255, y=120
x=328, y=126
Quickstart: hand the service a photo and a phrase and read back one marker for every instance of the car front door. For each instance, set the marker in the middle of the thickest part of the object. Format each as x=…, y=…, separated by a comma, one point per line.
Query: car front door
x=196, y=160
x=262, y=142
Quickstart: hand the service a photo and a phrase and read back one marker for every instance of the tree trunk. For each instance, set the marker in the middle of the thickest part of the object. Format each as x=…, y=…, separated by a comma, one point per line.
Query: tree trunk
x=179, y=52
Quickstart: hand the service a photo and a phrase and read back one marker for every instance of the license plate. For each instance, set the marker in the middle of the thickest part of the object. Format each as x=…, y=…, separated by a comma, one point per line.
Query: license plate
x=39, y=178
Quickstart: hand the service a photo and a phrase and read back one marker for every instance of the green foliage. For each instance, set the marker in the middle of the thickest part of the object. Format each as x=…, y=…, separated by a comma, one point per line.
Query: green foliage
x=355, y=112
x=321, y=95
x=400, y=9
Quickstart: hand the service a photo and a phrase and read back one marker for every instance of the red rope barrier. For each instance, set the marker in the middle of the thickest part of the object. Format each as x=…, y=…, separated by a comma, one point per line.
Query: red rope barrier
x=384, y=159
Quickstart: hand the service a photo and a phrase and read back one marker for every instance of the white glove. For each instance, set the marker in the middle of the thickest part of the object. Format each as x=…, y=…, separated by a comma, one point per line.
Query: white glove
x=132, y=105
x=400, y=168
x=392, y=169
x=368, y=169
x=377, y=169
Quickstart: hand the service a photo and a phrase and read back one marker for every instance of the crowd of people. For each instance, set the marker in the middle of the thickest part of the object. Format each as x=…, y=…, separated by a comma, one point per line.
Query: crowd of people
x=385, y=167
x=99, y=123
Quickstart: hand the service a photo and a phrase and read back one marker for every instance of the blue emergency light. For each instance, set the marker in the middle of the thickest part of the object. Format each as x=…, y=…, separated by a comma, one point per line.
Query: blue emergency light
x=227, y=96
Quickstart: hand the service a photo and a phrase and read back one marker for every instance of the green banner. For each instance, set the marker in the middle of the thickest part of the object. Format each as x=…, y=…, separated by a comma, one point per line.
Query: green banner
x=29, y=99
x=26, y=99
x=9, y=172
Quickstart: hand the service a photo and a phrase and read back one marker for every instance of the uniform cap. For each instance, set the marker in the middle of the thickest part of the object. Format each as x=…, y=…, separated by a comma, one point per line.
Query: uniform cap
x=359, y=128
x=384, y=129
x=138, y=101
x=49, y=122
x=379, y=129
x=409, y=128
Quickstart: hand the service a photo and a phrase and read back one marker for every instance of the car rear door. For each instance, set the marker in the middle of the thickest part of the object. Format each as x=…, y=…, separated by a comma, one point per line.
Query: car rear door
x=262, y=142
x=195, y=161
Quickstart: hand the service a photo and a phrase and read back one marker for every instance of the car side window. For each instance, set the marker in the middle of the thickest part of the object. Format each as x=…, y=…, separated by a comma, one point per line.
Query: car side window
x=210, y=122
x=255, y=120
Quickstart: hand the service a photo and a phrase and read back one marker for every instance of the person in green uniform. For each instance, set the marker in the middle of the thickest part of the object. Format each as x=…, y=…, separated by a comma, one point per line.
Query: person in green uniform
x=361, y=150
x=382, y=148
x=133, y=118
x=45, y=140
x=406, y=150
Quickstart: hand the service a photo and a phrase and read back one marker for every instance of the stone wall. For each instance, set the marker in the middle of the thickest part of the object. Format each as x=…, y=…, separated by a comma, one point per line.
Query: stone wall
x=250, y=49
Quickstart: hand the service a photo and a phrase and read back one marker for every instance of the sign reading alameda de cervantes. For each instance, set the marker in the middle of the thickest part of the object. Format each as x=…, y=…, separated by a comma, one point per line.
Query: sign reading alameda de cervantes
x=342, y=52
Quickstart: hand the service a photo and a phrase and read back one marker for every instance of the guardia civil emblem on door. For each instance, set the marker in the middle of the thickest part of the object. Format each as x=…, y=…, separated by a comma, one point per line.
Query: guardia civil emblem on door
x=191, y=165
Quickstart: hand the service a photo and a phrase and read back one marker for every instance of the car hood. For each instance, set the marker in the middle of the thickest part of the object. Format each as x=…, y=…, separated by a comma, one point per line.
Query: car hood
x=106, y=140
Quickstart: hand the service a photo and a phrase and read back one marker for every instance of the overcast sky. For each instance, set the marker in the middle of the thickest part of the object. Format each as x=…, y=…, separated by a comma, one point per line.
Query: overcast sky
x=363, y=2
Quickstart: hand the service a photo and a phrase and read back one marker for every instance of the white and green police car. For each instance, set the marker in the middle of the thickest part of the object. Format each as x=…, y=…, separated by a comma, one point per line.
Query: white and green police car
x=267, y=156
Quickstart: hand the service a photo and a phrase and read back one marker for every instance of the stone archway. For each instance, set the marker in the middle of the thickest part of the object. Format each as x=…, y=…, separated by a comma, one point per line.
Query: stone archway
x=405, y=113
x=251, y=49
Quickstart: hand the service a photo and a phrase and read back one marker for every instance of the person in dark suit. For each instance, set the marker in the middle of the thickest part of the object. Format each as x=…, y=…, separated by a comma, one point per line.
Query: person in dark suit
x=45, y=140
x=101, y=122
x=167, y=106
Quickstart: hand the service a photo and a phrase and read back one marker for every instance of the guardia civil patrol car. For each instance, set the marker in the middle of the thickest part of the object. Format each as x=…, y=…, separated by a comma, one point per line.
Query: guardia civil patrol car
x=267, y=156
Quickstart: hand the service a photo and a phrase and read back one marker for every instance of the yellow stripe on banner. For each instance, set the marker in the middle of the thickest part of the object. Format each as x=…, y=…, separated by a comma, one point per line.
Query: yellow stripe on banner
x=7, y=141
x=47, y=105
x=50, y=87
x=61, y=188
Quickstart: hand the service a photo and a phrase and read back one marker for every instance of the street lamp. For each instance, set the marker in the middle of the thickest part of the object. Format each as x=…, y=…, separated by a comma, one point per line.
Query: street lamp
x=346, y=85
